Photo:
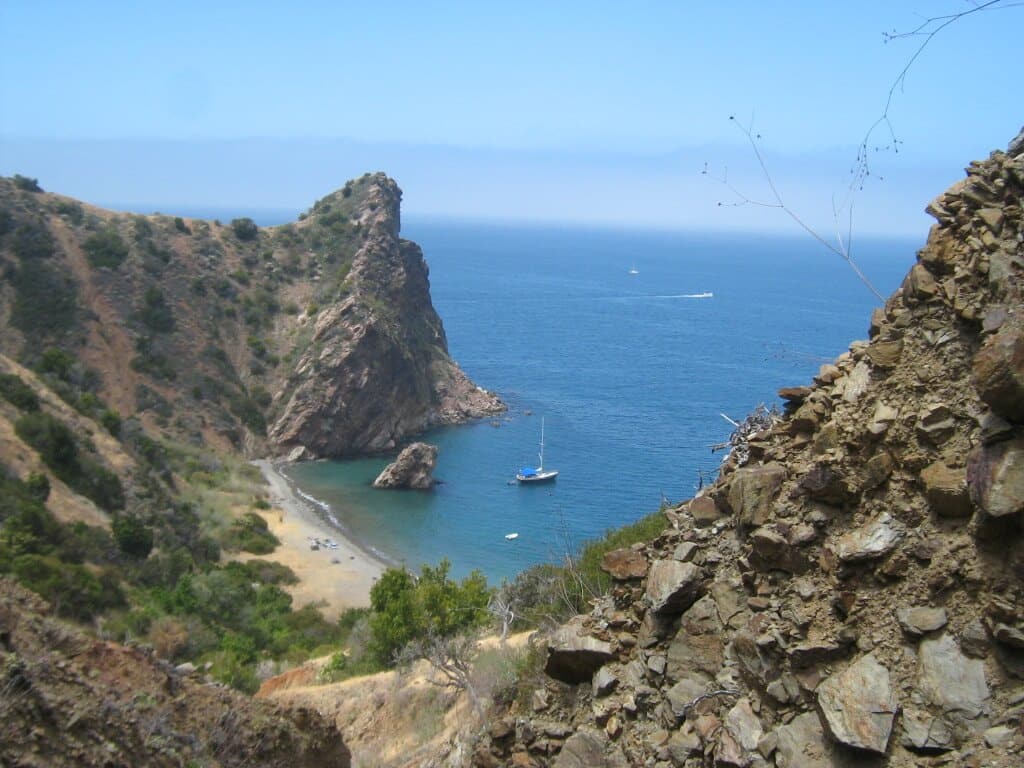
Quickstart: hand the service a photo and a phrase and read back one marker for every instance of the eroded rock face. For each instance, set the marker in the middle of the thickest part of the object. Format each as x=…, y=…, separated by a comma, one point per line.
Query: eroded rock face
x=859, y=705
x=413, y=469
x=624, y=564
x=751, y=493
x=378, y=368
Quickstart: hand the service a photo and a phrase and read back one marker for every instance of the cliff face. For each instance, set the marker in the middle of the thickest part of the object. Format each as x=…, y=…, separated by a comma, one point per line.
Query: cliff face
x=851, y=592
x=319, y=333
x=377, y=368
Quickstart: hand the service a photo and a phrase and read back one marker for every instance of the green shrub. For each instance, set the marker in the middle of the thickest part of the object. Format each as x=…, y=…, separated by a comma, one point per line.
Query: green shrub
x=70, y=210
x=111, y=421
x=18, y=393
x=250, y=533
x=155, y=312
x=404, y=608
x=105, y=248
x=133, y=537
x=72, y=589
x=25, y=184
x=244, y=228
x=45, y=303
x=38, y=485
x=181, y=226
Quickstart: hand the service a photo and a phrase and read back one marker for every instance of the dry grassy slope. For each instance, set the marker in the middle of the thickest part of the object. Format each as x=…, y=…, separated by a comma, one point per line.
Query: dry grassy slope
x=210, y=333
x=67, y=699
x=853, y=594
x=400, y=720
x=66, y=505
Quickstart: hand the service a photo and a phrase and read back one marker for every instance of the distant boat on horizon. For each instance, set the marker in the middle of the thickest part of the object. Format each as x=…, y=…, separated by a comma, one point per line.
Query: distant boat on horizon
x=633, y=270
x=537, y=474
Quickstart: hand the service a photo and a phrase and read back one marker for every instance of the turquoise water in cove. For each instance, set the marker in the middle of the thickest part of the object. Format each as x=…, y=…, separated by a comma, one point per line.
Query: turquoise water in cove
x=630, y=372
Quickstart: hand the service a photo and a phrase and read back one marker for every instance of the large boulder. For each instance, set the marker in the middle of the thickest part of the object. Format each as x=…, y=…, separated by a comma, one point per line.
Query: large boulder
x=413, y=469
x=859, y=705
x=876, y=538
x=624, y=564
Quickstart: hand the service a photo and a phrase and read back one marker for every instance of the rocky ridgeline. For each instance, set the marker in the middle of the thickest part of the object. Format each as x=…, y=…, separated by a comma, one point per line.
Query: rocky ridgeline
x=853, y=593
x=67, y=699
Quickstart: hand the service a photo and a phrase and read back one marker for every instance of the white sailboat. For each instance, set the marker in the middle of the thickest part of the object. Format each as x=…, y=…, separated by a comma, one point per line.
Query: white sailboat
x=537, y=474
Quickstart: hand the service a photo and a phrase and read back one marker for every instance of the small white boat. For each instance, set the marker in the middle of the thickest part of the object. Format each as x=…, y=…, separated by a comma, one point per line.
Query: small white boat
x=511, y=536
x=537, y=474
x=633, y=270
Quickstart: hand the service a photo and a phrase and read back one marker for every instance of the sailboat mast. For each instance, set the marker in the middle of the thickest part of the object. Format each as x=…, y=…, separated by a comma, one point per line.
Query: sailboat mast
x=541, y=454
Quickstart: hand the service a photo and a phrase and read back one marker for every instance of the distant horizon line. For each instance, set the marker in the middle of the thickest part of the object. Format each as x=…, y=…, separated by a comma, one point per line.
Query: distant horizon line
x=279, y=215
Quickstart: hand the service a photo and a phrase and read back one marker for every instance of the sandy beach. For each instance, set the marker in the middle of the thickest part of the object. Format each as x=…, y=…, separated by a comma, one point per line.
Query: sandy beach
x=341, y=578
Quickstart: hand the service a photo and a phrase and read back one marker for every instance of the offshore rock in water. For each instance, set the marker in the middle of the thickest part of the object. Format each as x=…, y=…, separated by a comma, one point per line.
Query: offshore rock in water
x=413, y=469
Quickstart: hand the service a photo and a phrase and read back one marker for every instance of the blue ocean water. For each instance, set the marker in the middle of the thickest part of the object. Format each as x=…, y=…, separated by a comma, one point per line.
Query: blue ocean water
x=630, y=372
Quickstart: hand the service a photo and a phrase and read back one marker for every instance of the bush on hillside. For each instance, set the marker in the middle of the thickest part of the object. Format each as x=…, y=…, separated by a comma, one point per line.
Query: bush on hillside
x=18, y=393
x=244, y=228
x=26, y=184
x=156, y=312
x=404, y=607
x=105, y=248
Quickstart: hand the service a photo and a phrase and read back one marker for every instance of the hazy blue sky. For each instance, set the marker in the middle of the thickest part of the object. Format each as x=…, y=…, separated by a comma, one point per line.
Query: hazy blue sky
x=600, y=112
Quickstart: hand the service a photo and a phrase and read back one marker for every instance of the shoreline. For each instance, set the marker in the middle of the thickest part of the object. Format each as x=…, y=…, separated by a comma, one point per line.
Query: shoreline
x=337, y=578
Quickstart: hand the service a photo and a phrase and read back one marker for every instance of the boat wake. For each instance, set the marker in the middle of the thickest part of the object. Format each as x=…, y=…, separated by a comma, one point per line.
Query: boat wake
x=705, y=295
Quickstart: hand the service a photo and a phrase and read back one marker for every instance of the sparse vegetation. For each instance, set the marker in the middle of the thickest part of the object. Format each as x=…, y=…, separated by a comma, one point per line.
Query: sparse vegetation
x=60, y=451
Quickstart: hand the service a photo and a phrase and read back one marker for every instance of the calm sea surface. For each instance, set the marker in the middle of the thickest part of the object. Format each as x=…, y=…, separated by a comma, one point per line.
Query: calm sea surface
x=630, y=372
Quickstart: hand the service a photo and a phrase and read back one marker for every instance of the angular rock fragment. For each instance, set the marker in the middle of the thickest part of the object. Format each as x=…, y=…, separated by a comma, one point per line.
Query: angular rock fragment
x=586, y=749
x=874, y=539
x=672, y=586
x=771, y=551
x=752, y=491
x=859, y=705
x=921, y=620
x=950, y=680
x=704, y=511
x=995, y=477
x=946, y=490
x=624, y=564
x=574, y=655
x=827, y=485
x=923, y=732
x=998, y=372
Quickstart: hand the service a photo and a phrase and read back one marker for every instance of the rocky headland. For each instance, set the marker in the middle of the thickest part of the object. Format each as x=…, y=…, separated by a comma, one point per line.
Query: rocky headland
x=318, y=335
x=850, y=591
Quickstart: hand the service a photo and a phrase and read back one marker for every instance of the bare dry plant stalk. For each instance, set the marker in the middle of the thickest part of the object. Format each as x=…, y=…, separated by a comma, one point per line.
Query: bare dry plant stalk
x=861, y=170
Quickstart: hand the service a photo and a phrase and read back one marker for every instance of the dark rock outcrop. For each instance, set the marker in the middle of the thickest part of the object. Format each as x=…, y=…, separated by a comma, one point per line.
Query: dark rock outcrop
x=413, y=469
x=377, y=369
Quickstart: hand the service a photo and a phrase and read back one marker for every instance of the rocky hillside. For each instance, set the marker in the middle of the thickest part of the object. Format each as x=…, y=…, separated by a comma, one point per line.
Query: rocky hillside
x=67, y=699
x=318, y=334
x=851, y=590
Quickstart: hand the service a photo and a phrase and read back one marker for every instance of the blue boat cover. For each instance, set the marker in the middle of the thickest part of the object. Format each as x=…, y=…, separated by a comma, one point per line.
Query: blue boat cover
x=527, y=471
